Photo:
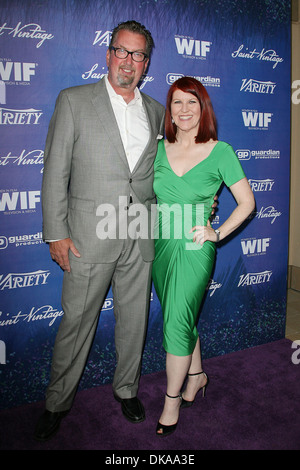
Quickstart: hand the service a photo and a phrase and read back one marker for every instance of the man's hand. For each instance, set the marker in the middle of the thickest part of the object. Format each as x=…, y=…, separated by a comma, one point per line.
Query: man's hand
x=59, y=252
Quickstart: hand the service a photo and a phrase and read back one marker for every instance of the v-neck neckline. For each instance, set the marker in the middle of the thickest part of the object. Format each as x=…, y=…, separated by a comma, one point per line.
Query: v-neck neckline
x=197, y=164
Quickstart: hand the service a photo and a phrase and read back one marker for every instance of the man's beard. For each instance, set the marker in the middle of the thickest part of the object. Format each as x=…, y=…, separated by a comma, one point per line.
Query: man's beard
x=125, y=81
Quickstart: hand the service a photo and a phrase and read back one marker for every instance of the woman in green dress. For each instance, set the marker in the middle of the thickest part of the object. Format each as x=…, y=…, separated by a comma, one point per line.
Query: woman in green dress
x=190, y=166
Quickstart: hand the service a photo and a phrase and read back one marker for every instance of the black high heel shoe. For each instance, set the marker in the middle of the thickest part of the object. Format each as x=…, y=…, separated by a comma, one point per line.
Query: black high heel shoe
x=166, y=430
x=186, y=403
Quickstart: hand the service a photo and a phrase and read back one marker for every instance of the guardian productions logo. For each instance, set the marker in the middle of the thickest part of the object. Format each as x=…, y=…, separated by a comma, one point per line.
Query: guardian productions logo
x=205, y=80
x=108, y=304
x=246, y=154
x=21, y=240
x=191, y=48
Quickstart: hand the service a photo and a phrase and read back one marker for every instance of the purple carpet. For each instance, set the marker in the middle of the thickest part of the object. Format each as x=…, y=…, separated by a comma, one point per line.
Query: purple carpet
x=252, y=403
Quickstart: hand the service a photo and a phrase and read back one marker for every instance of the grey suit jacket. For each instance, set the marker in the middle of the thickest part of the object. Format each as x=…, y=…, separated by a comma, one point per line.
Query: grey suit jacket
x=86, y=172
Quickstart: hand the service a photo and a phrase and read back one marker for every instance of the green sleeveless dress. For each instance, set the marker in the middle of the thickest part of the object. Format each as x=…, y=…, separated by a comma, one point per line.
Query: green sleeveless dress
x=182, y=268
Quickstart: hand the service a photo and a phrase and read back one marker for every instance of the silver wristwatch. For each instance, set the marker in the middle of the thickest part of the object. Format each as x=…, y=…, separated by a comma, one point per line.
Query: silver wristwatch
x=217, y=232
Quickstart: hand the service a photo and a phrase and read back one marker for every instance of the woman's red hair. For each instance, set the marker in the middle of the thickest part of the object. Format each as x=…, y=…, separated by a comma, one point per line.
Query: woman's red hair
x=208, y=123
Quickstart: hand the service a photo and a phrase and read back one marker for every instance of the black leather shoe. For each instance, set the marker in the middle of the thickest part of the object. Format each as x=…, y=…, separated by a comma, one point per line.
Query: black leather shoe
x=48, y=425
x=132, y=409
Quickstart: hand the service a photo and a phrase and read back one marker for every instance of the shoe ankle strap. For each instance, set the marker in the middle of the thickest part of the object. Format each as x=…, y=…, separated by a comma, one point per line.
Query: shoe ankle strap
x=198, y=373
x=177, y=396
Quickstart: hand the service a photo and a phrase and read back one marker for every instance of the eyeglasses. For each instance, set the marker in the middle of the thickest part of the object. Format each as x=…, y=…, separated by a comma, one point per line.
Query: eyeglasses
x=121, y=53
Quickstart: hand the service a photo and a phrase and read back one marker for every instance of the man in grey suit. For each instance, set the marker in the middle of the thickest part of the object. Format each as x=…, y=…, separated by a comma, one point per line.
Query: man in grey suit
x=100, y=151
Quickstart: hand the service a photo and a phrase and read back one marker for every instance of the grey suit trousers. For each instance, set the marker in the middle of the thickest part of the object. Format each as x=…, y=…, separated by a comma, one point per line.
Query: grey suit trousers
x=84, y=291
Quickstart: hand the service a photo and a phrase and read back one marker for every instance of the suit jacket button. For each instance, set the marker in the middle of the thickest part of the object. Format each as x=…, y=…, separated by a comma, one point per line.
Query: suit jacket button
x=130, y=181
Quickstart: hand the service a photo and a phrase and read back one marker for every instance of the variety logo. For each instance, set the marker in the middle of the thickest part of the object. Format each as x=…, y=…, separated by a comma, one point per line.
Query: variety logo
x=23, y=200
x=255, y=86
x=206, y=81
x=28, y=31
x=265, y=55
x=245, y=154
x=11, y=72
x=102, y=38
x=192, y=48
x=256, y=120
x=255, y=246
x=251, y=279
x=20, y=280
x=19, y=116
x=261, y=185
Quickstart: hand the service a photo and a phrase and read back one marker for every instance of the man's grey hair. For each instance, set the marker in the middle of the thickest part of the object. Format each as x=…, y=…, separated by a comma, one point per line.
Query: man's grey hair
x=134, y=27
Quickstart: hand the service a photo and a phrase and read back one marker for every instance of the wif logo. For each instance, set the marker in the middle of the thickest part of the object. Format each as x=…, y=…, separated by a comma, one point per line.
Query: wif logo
x=19, y=200
x=16, y=71
x=255, y=246
x=192, y=48
x=255, y=120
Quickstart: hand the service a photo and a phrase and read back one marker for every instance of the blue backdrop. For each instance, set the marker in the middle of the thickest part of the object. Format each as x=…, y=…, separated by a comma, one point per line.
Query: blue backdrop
x=240, y=50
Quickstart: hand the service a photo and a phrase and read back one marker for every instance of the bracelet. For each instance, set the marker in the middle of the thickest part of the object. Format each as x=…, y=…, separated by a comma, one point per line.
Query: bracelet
x=217, y=232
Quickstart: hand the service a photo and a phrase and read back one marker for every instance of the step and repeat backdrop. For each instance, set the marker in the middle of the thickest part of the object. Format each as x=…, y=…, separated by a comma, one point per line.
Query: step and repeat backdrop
x=240, y=50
